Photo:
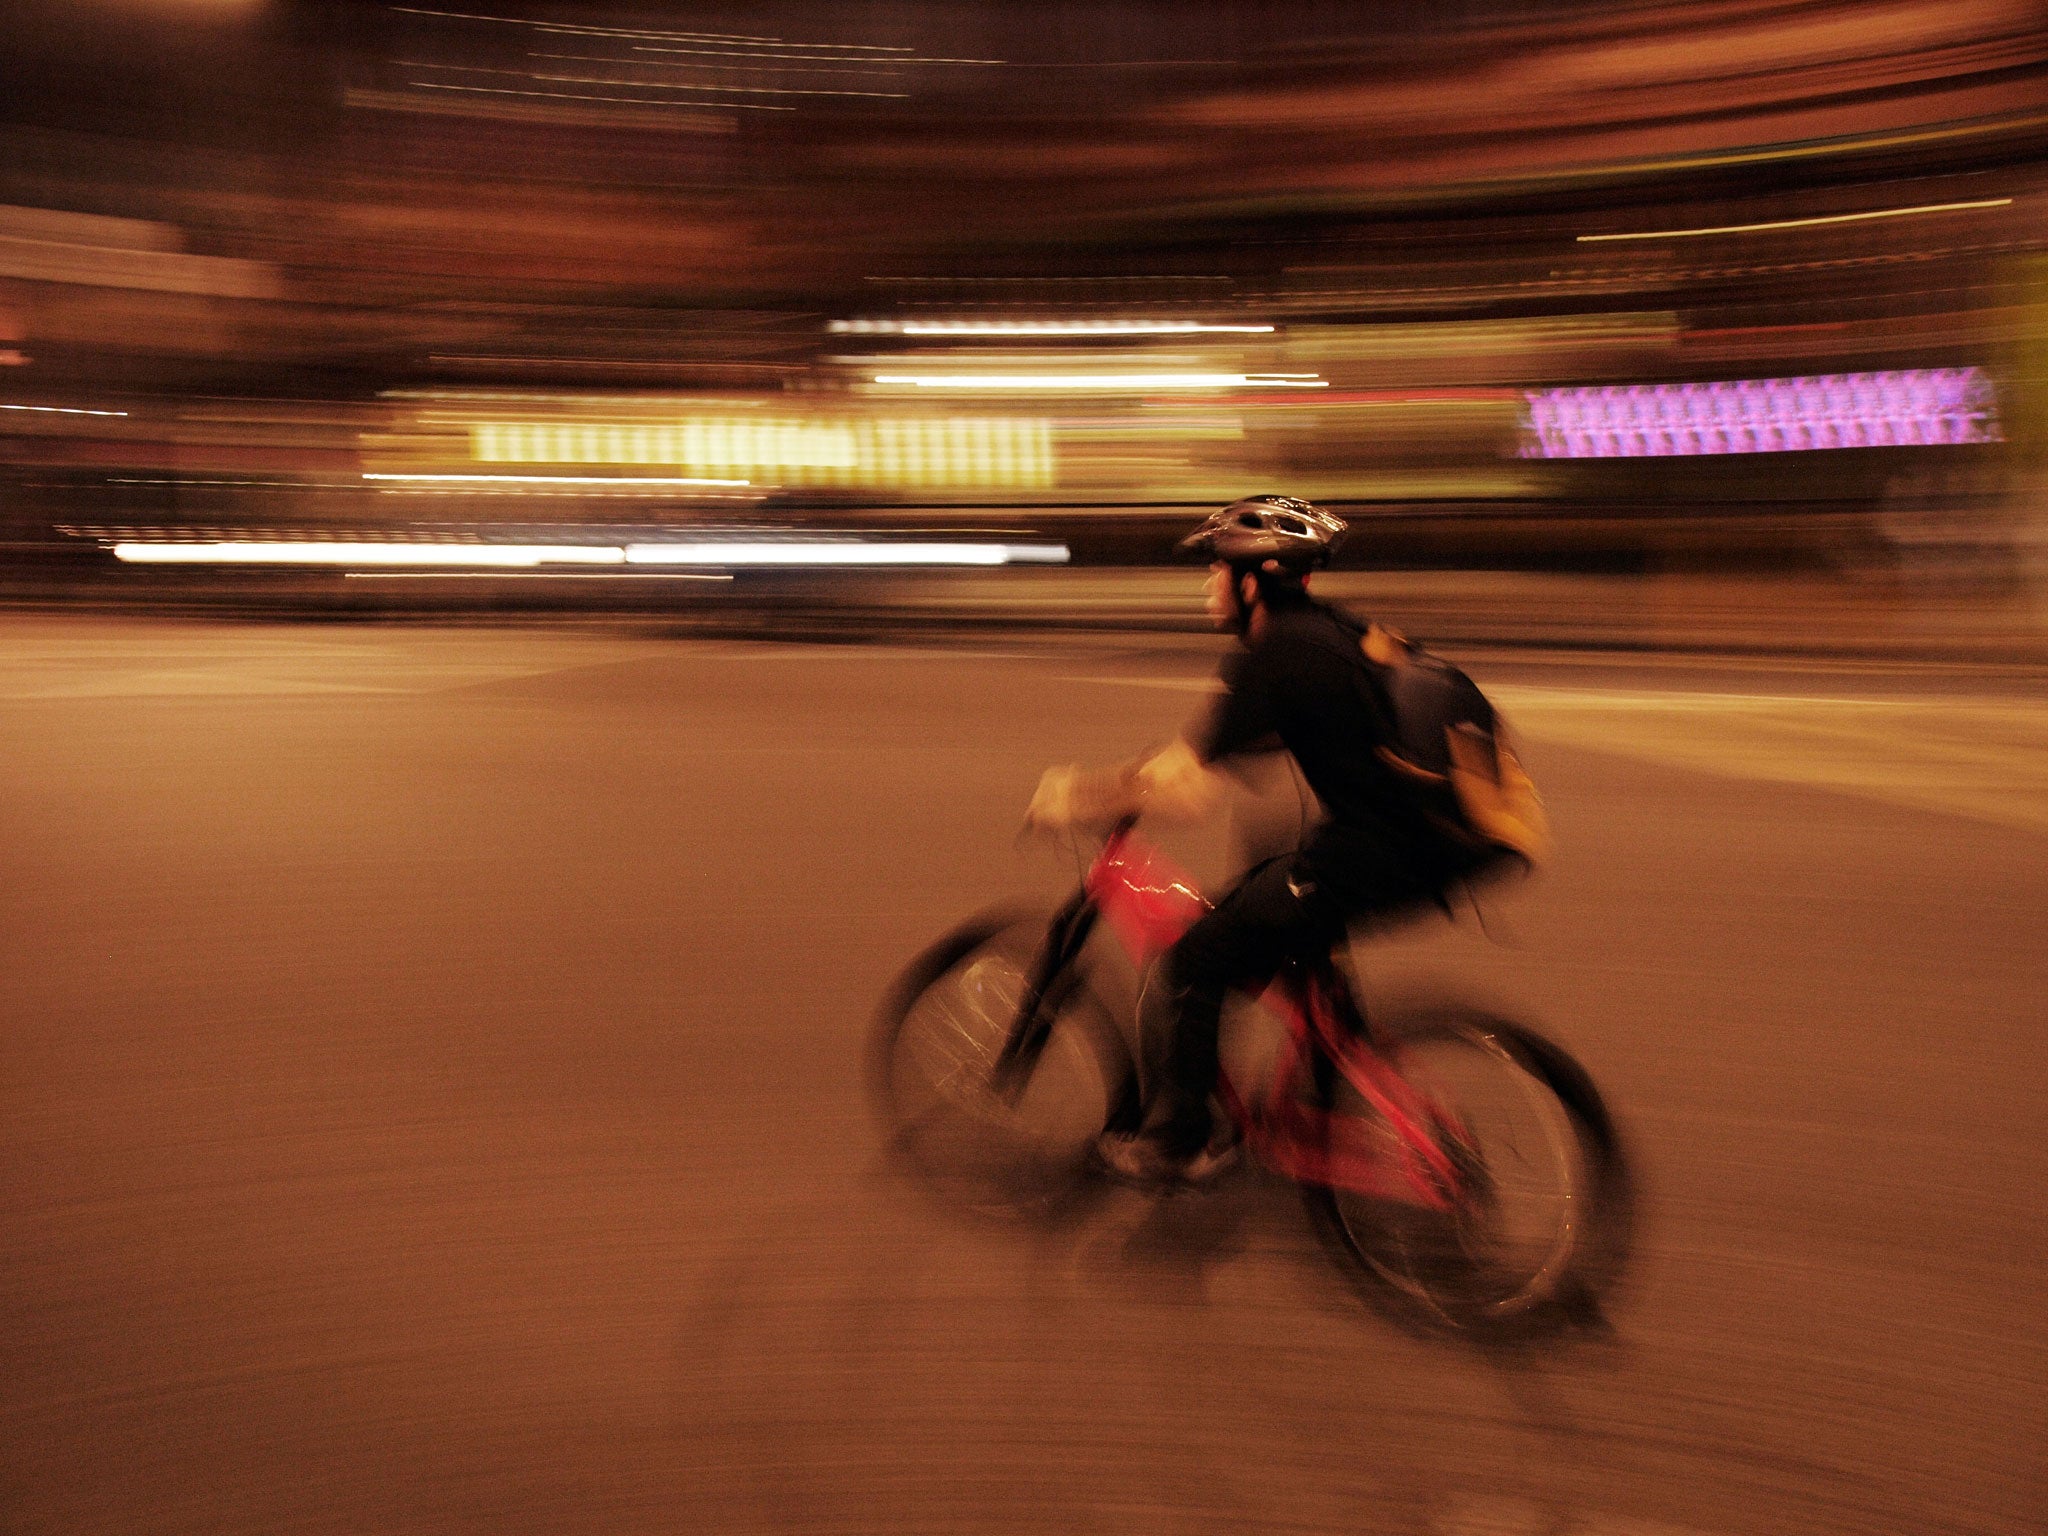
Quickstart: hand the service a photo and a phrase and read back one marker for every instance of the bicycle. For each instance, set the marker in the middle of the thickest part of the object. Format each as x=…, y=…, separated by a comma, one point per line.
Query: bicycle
x=1459, y=1160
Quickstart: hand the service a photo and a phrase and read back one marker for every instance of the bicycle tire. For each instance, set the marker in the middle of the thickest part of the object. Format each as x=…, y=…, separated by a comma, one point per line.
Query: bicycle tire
x=934, y=1044
x=1540, y=1229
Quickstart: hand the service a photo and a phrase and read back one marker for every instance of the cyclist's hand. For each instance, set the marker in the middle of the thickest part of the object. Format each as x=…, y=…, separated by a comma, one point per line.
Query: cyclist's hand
x=1052, y=805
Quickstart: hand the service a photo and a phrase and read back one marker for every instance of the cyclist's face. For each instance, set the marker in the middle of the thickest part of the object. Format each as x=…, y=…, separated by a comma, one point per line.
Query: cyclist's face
x=1216, y=597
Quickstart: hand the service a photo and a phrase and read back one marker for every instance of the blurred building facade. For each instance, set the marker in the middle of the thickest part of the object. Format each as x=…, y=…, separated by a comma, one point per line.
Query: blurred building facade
x=1733, y=285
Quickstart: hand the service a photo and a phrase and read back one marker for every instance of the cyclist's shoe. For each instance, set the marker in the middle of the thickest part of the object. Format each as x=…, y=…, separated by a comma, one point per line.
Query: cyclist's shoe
x=1144, y=1162
x=1209, y=1164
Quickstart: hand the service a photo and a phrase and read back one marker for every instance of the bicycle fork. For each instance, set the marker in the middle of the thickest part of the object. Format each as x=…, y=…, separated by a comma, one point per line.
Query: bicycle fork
x=1032, y=1028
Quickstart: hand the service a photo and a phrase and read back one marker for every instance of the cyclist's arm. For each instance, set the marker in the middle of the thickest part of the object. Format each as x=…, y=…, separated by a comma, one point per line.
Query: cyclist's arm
x=1177, y=785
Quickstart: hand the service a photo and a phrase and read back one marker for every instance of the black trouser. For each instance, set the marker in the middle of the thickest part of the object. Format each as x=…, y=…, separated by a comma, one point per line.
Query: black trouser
x=1296, y=906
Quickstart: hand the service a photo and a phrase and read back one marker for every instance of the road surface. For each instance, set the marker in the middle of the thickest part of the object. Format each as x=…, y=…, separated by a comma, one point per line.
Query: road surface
x=430, y=1104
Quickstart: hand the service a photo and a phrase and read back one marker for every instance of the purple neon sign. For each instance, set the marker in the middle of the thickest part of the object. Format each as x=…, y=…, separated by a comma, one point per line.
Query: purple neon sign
x=1905, y=407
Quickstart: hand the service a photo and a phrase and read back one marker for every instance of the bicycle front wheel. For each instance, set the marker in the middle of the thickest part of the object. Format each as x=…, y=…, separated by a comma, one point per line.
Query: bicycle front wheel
x=936, y=1041
x=1531, y=1214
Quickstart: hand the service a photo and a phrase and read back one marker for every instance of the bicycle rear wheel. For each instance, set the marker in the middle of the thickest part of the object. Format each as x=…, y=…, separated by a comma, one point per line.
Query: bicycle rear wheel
x=936, y=1040
x=1535, y=1211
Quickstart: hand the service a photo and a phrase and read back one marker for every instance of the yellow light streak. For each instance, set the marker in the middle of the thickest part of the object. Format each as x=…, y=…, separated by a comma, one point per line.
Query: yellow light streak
x=1831, y=218
x=1039, y=328
x=623, y=482
x=908, y=450
x=538, y=575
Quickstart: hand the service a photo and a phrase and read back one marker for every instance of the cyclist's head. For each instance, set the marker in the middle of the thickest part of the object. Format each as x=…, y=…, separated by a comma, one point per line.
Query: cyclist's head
x=1276, y=540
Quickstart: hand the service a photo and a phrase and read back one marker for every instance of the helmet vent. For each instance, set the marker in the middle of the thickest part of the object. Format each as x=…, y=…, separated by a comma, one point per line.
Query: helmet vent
x=1279, y=532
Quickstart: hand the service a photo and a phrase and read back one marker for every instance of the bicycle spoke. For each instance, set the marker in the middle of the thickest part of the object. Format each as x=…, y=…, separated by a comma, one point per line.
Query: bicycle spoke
x=990, y=1149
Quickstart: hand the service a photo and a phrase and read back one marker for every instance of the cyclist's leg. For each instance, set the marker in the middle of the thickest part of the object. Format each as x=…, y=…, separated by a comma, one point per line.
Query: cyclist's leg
x=1275, y=912
x=1297, y=906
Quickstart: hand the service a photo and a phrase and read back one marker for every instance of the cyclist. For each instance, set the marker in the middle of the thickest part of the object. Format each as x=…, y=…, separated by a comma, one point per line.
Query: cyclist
x=1299, y=682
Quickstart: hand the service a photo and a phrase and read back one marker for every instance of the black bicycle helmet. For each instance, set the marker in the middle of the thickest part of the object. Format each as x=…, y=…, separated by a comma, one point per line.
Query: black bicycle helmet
x=1268, y=532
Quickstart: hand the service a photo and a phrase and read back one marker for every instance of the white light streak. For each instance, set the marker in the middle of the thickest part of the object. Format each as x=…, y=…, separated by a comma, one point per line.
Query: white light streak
x=752, y=69
x=1128, y=382
x=1038, y=328
x=62, y=410
x=730, y=90
x=623, y=101
x=1831, y=218
x=574, y=29
x=842, y=552
x=714, y=553
x=320, y=552
x=623, y=482
x=902, y=55
x=558, y=26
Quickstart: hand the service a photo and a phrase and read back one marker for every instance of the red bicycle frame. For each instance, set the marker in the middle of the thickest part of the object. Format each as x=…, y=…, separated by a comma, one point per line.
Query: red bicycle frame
x=1398, y=1152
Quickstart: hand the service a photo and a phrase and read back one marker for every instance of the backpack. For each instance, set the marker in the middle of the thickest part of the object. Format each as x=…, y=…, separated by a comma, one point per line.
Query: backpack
x=1452, y=747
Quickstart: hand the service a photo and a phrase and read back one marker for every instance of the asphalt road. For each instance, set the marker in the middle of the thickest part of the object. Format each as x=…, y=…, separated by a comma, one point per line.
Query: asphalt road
x=430, y=1103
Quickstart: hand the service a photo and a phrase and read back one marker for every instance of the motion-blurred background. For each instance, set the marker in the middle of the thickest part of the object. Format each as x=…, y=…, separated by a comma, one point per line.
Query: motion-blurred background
x=1624, y=312
x=450, y=851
